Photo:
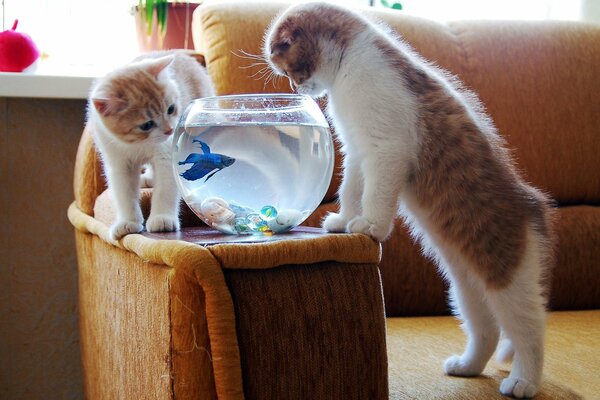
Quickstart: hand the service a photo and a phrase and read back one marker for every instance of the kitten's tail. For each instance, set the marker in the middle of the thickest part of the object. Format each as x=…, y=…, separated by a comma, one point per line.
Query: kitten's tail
x=505, y=351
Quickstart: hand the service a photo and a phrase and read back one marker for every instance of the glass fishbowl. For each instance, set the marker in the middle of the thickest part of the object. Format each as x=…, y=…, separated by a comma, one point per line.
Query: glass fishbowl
x=253, y=164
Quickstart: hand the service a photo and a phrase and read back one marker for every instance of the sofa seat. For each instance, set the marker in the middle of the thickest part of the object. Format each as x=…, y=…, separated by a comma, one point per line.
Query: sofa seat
x=418, y=346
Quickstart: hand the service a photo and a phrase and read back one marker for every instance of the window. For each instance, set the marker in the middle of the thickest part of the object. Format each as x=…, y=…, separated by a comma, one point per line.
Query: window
x=76, y=32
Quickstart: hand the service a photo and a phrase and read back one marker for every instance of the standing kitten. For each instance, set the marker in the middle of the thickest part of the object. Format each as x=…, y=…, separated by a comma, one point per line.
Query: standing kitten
x=415, y=140
x=132, y=112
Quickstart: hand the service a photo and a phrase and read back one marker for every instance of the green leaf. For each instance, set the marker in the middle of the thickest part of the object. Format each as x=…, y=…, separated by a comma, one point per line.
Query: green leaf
x=161, y=15
x=149, y=9
x=393, y=6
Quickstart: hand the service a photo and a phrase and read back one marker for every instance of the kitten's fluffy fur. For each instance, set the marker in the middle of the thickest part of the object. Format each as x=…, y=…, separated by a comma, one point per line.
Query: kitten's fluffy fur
x=132, y=112
x=416, y=143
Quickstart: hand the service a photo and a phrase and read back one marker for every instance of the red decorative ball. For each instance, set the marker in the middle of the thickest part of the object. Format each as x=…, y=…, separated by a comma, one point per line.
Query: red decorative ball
x=17, y=50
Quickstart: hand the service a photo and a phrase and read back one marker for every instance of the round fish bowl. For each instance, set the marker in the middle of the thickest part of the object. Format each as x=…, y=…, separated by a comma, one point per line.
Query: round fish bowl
x=253, y=164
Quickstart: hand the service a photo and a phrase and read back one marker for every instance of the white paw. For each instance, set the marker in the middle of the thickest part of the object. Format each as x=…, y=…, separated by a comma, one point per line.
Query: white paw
x=334, y=222
x=362, y=225
x=518, y=388
x=122, y=228
x=457, y=366
x=162, y=223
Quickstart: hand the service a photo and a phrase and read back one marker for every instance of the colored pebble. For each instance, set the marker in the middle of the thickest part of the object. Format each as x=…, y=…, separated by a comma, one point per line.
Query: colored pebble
x=286, y=220
x=240, y=211
x=269, y=212
x=255, y=222
x=263, y=228
x=253, y=218
x=267, y=221
x=240, y=225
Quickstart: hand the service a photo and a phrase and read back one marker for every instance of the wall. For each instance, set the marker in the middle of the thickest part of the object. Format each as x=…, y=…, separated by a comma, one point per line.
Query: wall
x=39, y=339
x=590, y=11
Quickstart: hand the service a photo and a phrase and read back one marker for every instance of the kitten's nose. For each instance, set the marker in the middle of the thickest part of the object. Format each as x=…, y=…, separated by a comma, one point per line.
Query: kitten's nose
x=168, y=132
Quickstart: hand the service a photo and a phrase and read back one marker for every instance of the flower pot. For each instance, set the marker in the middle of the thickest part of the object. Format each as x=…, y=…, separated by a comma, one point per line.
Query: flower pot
x=178, y=33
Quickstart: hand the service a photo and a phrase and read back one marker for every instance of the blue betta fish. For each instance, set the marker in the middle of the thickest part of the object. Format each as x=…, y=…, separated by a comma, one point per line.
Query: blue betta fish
x=204, y=164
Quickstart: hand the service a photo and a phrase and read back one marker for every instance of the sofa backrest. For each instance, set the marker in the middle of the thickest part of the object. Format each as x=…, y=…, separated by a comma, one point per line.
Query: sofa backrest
x=540, y=82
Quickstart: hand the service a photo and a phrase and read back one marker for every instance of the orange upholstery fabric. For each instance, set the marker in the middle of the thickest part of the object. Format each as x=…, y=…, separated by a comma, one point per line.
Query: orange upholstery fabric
x=194, y=262
x=120, y=315
x=88, y=178
x=157, y=305
x=287, y=330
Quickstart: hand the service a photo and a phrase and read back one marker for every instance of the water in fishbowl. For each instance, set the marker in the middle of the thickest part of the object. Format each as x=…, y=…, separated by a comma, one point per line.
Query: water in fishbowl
x=253, y=178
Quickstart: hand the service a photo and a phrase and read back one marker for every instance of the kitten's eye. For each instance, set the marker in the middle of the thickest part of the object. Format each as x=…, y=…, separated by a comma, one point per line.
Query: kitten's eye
x=171, y=109
x=146, y=126
x=280, y=48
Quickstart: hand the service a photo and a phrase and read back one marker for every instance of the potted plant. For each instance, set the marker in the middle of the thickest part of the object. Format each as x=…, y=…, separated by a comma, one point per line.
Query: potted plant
x=164, y=24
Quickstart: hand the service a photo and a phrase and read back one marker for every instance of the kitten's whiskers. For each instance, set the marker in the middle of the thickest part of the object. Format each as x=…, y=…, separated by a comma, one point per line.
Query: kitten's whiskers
x=259, y=61
x=248, y=56
x=265, y=73
x=256, y=64
x=269, y=75
x=260, y=73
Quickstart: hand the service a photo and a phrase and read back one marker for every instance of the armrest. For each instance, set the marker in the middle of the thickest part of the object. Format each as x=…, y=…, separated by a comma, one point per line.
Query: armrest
x=88, y=181
x=198, y=314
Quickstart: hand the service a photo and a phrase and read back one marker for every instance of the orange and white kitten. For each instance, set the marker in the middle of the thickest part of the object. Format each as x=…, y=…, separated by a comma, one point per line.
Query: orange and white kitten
x=132, y=112
x=417, y=144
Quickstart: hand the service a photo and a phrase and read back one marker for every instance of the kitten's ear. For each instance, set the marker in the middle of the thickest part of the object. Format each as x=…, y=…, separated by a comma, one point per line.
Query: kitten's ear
x=106, y=107
x=285, y=38
x=156, y=66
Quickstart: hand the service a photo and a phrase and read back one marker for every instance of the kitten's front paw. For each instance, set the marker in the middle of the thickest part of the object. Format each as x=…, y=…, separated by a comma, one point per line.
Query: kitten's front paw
x=162, y=223
x=334, y=222
x=122, y=228
x=518, y=388
x=458, y=366
x=362, y=225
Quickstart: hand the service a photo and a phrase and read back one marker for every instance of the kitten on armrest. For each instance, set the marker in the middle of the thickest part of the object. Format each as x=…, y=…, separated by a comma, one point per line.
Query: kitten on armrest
x=415, y=142
x=132, y=112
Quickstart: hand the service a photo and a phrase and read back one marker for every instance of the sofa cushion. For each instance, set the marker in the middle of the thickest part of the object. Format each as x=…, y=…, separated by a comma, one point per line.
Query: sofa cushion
x=417, y=348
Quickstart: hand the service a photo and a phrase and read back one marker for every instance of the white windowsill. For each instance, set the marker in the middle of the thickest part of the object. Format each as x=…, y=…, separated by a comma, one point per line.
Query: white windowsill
x=47, y=81
x=47, y=86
